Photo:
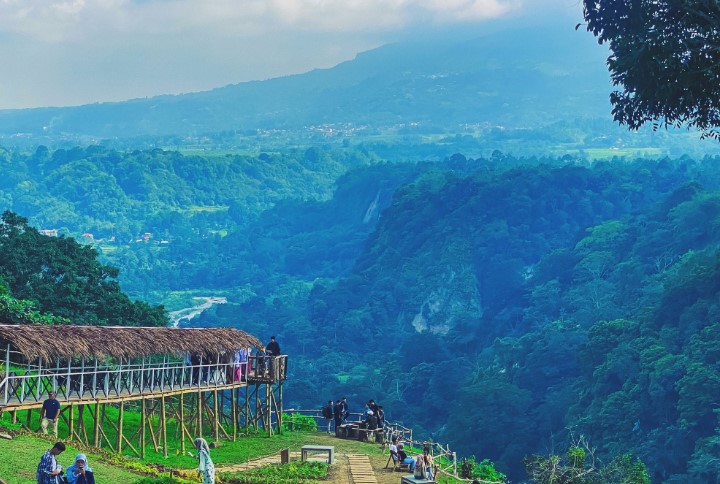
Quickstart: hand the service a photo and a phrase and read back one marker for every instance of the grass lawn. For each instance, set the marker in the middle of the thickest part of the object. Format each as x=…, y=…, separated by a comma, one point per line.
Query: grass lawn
x=19, y=459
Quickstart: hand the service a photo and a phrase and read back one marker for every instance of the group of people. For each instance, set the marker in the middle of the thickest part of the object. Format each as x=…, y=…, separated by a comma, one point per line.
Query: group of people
x=240, y=365
x=373, y=417
x=50, y=472
x=337, y=412
x=80, y=472
x=422, y=466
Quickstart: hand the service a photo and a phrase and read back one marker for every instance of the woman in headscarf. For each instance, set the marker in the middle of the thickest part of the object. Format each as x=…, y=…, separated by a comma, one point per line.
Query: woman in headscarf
x=205, y=463
x=80, y=472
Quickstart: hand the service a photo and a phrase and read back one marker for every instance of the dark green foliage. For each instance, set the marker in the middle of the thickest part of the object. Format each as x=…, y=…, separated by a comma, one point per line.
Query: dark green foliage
x=665, y=58
x=484, y=470
x=579, y=466
x=63, y=278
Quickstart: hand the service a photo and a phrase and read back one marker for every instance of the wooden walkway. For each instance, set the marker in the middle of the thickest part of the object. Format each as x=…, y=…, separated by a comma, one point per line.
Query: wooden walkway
x=361, y=472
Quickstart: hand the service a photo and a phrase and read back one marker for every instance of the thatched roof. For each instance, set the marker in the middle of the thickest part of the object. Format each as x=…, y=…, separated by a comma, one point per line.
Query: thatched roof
x=64, y=341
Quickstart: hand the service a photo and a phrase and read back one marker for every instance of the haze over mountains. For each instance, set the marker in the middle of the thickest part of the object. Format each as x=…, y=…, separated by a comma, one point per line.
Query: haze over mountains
x=516, y=78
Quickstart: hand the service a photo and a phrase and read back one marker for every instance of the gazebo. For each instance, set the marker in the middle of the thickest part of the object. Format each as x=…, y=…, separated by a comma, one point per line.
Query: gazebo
x=174, y=369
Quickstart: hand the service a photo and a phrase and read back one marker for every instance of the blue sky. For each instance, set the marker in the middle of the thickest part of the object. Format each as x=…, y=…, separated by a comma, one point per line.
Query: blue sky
x=68, y=52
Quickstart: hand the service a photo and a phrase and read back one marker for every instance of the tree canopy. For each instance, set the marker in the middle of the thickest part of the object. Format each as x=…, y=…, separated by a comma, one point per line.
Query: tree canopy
x=665, y=56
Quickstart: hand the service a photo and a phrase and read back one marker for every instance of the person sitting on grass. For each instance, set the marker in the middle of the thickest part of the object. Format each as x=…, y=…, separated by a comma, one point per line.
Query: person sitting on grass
x=80, y=472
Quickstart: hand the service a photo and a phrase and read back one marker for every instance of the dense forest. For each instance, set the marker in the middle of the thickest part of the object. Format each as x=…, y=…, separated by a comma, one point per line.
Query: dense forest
x=537, y=299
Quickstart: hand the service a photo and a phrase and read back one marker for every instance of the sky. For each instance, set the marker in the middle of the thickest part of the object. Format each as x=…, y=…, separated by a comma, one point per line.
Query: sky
x=71, y=52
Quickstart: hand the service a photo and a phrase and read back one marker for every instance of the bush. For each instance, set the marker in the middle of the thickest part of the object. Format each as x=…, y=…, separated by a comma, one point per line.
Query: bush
x=298, y=421
x=281, y=473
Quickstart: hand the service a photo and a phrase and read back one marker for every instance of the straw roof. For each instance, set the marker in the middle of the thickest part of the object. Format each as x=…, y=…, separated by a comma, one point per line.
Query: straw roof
x=64, y=341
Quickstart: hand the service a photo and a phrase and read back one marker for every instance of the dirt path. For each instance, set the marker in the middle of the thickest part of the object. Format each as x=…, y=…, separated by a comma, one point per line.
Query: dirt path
x=350, y=465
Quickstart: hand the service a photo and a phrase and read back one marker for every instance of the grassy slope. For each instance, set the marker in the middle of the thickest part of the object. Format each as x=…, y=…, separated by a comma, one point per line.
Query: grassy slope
x=19, y=457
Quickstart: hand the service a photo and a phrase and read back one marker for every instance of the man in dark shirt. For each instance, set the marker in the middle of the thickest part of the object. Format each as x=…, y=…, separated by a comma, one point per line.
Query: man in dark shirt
x=327, y=412
x=273, y=348
x=337, y=414
x=49, y=414
x=345, y=409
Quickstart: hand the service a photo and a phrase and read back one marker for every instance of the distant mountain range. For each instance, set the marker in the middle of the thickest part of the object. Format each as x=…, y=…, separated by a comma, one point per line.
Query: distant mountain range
x=521, y=78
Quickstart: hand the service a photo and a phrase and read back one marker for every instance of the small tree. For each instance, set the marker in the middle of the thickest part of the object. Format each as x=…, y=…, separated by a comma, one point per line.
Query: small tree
x=579, y=466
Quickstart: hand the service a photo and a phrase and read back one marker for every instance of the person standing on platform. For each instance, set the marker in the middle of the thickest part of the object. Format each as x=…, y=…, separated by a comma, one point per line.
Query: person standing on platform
x=50, y=414
x=272, y=350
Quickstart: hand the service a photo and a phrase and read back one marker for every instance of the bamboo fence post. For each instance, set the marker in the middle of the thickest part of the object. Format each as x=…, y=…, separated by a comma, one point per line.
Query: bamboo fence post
x=182, y=422
x=96, y=424
x=120, y=426
x=164, y=425
x=143, y=423
x=217, y=420
x=199, y=414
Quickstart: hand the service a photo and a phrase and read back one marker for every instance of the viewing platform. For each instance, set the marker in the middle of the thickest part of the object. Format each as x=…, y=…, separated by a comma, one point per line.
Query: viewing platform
x=85, y=364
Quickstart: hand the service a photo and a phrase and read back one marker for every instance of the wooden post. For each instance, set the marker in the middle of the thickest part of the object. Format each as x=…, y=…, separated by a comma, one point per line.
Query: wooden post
x=96, y=425
x=199, y=414
x=233, y=405
x=280, y=410
x=142, y=376
x=81, y=390
x=217, y=420
x=40, y=386
x=121, y=412
x=28, y=421
x=164, y=425
x=268, y=405
x=7, y=372
x=13, y=414
x=182, y=423
x=143, y=423
x=71, y=421
x=94, y=381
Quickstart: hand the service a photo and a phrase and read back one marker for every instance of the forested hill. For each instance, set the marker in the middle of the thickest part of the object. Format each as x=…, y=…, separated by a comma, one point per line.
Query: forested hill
x=528, y=297
x=500, y=79
x=503, y=308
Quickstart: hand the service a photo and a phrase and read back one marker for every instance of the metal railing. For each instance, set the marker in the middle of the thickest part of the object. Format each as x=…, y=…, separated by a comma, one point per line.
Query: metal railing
x=92, y=381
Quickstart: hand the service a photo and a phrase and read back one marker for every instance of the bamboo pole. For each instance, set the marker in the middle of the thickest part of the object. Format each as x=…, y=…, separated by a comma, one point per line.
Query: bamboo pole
x=182, y=423
x=217, y=420
x=233, y=404
x=96, y=423
x=143, y=423
x=71, y=420
x=7, y=372
x=199, y=414
x=164, y=425
x=121, y=413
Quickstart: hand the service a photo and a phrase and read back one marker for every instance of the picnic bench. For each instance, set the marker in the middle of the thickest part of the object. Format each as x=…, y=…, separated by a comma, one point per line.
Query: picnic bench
x=327, y=449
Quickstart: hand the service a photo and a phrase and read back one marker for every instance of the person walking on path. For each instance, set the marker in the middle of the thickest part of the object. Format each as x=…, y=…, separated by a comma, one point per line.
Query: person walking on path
x=49, y=414
x=48, y=470
x=206, y=468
